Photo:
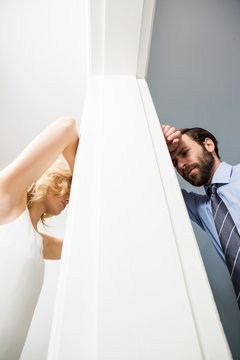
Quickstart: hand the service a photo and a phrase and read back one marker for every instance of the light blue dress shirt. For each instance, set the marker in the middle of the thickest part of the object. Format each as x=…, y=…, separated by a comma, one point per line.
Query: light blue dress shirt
x=199, y=206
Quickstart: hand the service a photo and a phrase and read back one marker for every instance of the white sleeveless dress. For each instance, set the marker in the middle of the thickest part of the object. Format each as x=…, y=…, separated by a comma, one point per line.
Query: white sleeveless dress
x=21, y=278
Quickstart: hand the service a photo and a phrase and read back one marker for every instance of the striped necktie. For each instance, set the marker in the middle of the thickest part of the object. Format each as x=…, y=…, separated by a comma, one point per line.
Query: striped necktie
x=228, y=236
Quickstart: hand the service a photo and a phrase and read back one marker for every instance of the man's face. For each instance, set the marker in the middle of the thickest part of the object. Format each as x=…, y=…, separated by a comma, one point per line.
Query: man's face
x=193, y=162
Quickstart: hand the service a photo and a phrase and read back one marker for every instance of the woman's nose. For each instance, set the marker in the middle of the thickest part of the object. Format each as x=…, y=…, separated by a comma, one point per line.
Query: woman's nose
x=66, y=198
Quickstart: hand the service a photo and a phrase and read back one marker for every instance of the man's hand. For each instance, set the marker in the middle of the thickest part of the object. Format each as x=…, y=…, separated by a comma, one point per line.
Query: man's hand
x=172, y=136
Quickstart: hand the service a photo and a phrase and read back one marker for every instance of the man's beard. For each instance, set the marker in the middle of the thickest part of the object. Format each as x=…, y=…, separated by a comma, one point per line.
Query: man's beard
x=204, y=168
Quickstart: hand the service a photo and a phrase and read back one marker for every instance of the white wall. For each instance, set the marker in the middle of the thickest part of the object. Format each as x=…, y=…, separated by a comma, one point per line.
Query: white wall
x=117, y=289
x=42, y=77
x=194, y=80
x=42, y=68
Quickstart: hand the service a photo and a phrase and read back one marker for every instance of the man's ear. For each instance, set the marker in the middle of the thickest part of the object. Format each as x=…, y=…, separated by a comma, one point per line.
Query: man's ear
x=209, y=145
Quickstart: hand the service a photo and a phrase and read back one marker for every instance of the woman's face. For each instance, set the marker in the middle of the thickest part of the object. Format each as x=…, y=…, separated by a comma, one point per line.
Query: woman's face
x=54, y=203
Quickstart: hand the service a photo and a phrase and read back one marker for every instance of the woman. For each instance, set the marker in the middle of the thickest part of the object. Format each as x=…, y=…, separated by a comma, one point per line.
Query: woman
x=30, y=191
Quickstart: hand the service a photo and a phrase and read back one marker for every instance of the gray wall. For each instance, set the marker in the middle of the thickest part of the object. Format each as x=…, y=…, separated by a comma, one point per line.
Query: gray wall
x=194, y=80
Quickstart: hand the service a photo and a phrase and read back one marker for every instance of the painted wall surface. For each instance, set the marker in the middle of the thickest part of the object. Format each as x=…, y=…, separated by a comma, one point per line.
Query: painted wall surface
x=194, y=80
x=42, y=77
x=131, y=275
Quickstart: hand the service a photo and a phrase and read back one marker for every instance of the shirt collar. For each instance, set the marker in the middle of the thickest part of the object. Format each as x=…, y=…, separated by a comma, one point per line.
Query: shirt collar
x=222, y=175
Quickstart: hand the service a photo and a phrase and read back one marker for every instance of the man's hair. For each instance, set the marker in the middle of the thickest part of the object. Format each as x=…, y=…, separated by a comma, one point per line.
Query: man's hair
x=199, y=135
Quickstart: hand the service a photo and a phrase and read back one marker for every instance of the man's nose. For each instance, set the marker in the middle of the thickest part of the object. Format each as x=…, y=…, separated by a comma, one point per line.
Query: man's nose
x=181, y=164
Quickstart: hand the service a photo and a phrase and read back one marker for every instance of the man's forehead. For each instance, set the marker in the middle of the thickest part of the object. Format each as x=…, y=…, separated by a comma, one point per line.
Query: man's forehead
x=182, y=143
x=185, y=141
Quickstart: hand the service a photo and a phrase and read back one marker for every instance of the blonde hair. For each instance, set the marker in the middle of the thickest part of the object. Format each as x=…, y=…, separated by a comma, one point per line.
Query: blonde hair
x=57, y=178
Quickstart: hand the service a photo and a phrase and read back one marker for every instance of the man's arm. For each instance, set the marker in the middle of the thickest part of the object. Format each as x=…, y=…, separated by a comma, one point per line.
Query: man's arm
x=172, y=136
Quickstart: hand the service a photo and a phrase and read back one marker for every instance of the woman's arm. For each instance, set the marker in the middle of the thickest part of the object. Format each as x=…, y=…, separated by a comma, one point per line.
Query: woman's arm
x=38, y=156
x=69, y=153
x=52, y=247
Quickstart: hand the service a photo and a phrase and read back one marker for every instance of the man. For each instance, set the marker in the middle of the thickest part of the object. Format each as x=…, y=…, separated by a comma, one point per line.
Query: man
x=195, y=156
